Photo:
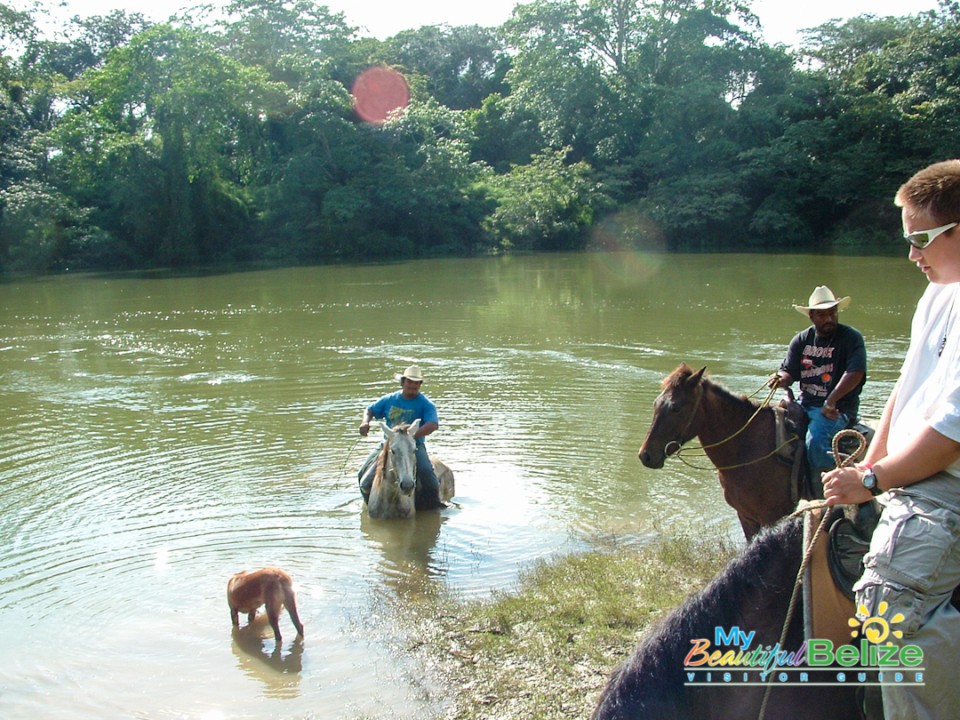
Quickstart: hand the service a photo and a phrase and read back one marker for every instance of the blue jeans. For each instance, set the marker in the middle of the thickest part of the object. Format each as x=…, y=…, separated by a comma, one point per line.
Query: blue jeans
x=428, y=486
x=820, y=432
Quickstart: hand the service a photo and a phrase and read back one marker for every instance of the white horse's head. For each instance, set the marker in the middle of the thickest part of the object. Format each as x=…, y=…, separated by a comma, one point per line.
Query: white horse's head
x=403, y=455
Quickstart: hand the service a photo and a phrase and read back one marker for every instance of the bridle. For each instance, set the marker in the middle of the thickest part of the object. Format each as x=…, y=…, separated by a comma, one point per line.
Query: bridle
x=395, y=466
x=683, y=431
x=701, y=450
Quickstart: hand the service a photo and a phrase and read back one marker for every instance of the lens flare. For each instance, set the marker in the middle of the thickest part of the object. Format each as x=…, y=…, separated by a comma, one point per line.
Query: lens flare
x=377, y=92
x=631, y=245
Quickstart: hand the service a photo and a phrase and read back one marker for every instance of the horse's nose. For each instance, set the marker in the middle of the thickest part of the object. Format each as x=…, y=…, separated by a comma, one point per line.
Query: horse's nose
x=407, y=485
x=649, y=460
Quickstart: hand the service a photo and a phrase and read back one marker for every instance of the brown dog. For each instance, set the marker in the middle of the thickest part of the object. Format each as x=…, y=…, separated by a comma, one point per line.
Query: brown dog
x=247, y=591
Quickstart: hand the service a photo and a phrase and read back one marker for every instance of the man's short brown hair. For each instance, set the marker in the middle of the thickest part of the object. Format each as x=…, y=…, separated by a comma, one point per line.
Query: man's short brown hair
x=934, y=190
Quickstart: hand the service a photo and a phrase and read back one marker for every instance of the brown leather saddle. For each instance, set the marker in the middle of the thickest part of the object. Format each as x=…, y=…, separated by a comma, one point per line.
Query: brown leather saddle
x=836, y=563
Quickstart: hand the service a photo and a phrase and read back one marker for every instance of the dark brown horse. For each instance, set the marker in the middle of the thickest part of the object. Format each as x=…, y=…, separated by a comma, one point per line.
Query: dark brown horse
x=752, y=594
x=737, y=436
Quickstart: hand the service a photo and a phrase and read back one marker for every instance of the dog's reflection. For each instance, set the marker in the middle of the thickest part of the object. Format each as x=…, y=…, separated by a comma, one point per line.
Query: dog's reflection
x=261, y=657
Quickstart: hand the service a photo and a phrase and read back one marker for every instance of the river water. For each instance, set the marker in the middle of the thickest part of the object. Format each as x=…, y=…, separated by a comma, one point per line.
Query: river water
x=158, y=434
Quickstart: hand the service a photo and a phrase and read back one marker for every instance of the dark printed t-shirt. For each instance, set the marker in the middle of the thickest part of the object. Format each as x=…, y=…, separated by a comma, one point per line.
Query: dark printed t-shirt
x=819, y=363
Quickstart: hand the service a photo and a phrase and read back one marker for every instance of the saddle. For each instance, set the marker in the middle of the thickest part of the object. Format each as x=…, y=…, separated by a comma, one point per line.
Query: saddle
x=836, y=563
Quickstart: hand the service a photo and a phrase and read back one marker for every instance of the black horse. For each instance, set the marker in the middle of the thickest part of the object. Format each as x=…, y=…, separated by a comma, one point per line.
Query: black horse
x=752, y=593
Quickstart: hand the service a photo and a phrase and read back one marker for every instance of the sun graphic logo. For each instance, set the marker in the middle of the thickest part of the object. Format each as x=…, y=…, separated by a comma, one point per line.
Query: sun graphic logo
x=877, y=629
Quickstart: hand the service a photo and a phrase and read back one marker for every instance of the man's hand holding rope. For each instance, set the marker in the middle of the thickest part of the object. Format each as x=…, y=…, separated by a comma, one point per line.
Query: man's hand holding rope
x=844, y=486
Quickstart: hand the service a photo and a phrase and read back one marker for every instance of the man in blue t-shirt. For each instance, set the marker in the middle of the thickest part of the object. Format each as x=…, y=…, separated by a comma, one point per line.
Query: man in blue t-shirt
x=399, y=408
x=830, y=362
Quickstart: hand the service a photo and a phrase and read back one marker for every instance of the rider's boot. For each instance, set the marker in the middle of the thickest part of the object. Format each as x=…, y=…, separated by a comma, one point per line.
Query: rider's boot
x=870, y=701
x=366, y=475
x=429, y=499
x=815, y=476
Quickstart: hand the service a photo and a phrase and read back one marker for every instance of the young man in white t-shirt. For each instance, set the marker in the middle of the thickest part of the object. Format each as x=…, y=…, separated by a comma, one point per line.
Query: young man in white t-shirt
x=913, y=464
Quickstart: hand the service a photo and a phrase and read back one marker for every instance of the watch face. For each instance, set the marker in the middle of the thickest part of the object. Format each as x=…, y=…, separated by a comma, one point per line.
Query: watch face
x=869, y=480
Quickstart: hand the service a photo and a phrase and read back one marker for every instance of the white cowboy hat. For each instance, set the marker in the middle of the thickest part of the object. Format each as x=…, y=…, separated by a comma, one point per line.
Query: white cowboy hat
x=822, y=298
x=412, y=373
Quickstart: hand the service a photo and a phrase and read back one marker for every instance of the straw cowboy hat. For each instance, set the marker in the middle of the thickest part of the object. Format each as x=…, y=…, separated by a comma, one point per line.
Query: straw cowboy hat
x=822, y=298
x=411, y=373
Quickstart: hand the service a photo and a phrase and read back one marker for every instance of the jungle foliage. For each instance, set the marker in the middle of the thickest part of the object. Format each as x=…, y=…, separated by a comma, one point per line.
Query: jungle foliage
x=230, y=135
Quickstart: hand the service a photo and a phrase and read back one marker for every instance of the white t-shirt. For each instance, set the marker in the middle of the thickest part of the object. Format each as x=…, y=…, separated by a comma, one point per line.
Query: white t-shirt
x=929, y=392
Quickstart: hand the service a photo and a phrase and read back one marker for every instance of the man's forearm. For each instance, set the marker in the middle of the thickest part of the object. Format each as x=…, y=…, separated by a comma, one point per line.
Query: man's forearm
x=848, y=383
x=426, y=428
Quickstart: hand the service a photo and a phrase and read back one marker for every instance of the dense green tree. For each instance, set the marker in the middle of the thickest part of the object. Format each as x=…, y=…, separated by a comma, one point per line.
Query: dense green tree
x=41, y=229
x=87, y=44
x=168, y=145
x=647, y=92
x=461, y=65
x=548, y=204
x=413, y=192
x=231, y=134
x=29, y=239
x=361, y=191
x=308, y=200
x=507, y=132
x=289, y=39
x=602, y=74
x=437, y=205
x=839, y=137
x=559, y=77
x=918, y=73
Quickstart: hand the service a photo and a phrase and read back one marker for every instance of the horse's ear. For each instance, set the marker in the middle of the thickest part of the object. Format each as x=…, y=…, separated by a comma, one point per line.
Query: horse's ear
x=698, y=376
x=414, y=426
x=388, y=432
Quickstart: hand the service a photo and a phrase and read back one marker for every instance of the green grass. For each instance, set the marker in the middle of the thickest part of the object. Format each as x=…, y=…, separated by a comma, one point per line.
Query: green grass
x=545, y=649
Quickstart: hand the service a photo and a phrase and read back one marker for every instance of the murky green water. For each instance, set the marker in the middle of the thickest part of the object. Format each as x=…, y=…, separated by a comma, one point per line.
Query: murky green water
x=159, y=434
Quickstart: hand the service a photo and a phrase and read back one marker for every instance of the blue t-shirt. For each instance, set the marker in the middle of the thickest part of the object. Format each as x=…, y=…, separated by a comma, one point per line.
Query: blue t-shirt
x=395, y=409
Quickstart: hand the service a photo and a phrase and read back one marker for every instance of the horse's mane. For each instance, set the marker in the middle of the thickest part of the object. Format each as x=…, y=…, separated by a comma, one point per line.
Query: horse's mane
x=759, y=576
x=381, y=462
x=774, y=552
x=684, y=372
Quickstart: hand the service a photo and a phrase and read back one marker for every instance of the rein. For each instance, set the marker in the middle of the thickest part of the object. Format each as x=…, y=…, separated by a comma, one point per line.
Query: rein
x=346, y=458
x=808, y=551
x=700, y=451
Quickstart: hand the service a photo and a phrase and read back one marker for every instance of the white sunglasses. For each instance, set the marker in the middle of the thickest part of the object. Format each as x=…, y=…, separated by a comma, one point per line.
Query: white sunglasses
x=923, y=238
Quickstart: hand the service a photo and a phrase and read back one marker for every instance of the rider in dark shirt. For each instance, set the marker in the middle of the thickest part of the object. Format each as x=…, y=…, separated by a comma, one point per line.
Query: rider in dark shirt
x=830, y=362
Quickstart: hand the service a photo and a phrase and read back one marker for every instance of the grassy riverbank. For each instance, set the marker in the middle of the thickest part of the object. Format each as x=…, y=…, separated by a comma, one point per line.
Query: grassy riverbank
x=545, y=649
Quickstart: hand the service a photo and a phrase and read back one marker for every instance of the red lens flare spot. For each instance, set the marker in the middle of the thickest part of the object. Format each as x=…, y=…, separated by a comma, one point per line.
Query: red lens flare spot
x=377, y=92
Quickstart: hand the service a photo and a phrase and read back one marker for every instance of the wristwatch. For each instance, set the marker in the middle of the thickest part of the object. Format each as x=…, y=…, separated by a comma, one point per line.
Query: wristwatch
x=870, y=482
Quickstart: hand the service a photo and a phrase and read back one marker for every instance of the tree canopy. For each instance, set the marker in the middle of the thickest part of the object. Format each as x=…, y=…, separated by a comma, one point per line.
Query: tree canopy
x=231, y=136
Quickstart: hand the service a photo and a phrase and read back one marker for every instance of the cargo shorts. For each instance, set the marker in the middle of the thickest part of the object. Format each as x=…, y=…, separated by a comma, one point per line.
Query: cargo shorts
x=913, y=567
